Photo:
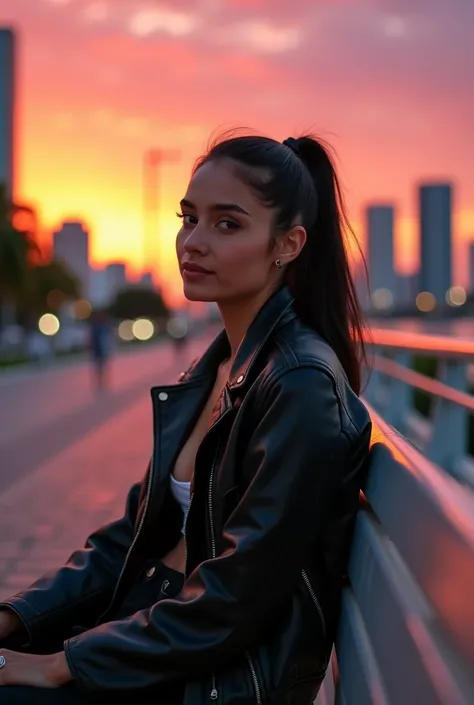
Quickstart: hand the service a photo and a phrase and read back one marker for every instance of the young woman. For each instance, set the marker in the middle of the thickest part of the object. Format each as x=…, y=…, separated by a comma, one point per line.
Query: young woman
x=221, y=584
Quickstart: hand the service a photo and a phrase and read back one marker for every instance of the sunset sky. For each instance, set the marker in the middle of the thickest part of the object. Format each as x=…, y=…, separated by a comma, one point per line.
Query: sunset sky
x=390, y=83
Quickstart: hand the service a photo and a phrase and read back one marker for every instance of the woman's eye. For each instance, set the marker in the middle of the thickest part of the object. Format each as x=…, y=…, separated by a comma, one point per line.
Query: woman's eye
x=187, y=218
x=227, y=224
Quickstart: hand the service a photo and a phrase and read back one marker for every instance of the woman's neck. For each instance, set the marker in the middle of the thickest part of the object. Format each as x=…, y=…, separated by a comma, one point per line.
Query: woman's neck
x=237, y=318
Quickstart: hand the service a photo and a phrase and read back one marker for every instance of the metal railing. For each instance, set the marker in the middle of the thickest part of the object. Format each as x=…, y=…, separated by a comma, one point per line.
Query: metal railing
x=410, y=576
x=443, y=436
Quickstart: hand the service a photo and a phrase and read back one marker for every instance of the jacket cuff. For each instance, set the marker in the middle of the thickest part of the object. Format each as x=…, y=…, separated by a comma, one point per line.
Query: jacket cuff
x=82, y=681
x=27, y=615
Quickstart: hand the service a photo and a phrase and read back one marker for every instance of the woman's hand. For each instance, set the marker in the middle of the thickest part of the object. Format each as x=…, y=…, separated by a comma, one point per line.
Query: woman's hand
x=38, y=671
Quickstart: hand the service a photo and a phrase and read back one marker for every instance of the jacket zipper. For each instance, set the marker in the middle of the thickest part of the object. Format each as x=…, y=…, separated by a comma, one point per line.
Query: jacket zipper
x=185, y=539
x=214, y=692
x=315, y=600
x=256, y=684
x=132, y=545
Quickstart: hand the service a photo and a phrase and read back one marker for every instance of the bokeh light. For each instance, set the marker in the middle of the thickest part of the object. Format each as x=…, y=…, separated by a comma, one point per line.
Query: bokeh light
x=425, y=301
x=82, y=309
x=55, y=299
x=382, y=299
x=456, y=296
x=143, y=329
x=125, y=331
x=49, y=324
x=177, y=327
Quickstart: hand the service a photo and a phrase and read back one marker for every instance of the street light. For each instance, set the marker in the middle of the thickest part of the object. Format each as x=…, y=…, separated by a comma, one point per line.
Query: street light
x=152, y=162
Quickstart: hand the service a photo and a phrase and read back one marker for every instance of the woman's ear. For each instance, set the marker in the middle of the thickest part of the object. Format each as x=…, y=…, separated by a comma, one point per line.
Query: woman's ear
x=291, y=243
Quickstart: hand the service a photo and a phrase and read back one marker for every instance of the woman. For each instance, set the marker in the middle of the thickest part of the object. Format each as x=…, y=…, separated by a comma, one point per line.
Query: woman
x=262, y=446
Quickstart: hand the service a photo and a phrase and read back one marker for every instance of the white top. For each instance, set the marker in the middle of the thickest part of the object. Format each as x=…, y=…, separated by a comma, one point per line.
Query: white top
x=181, y=491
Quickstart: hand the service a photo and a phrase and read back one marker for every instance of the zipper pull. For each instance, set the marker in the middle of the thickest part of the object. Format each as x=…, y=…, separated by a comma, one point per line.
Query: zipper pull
x=214, y=693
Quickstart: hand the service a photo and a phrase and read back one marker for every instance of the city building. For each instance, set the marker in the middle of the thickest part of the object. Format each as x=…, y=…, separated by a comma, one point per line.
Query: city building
x=471, y=267
x=71, y=244
x=99, y=294
x=407, y=290
x=380, y=255
x=361, y=284
x=436, y=240
x=116, y=277
x=7, y=108
x=146, y=280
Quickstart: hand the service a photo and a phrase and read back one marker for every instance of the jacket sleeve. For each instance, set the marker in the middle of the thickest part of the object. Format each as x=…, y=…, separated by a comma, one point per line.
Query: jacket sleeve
x=79, y=590
x=298, y=456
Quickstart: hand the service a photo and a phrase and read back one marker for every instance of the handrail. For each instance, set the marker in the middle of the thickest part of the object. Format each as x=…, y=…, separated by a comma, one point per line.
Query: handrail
x=456, y=502
x=431, y=344
x=426, y=384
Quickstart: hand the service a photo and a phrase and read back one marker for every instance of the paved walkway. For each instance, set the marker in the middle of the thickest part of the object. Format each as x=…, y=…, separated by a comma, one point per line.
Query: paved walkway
x=50, y=506
x=49, y=513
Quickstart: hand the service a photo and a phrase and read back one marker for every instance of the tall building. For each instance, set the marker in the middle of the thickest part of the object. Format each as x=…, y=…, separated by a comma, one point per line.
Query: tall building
x=362, y=286
x=407, y=290
x=471, y=267
x=99, y=294
x=436, y=240
x=146, y=280
x=7, y=108
x=116, y=277
x=380, y=255
x=71, y=244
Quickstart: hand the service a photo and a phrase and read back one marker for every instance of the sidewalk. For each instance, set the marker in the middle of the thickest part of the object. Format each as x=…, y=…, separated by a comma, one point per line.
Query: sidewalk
x=49, y=513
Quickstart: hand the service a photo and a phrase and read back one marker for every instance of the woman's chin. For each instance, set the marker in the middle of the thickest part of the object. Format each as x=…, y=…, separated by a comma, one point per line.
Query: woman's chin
x=194, y=292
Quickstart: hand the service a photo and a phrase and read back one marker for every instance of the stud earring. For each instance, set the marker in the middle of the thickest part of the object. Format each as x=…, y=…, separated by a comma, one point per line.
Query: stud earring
x=278, y=263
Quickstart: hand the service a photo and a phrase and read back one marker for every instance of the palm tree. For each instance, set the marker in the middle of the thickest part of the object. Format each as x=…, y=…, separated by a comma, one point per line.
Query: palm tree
x=28, y=282
x=48, y=287
x=18, y=247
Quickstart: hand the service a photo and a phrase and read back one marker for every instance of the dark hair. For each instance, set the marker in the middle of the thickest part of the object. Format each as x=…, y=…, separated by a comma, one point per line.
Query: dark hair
x=299, y=181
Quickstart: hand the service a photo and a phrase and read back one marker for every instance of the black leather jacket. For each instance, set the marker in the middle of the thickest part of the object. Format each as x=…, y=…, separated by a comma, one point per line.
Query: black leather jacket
x=275, y=492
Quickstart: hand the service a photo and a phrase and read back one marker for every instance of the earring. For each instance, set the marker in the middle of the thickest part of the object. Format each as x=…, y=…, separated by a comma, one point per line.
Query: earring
x=278, y=263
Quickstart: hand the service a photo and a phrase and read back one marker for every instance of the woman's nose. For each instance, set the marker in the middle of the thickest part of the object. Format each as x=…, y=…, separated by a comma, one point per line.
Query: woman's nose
x=196, y=241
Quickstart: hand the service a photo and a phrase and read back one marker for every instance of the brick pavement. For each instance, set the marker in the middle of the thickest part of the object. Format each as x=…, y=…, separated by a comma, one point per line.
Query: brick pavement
x=49, y=513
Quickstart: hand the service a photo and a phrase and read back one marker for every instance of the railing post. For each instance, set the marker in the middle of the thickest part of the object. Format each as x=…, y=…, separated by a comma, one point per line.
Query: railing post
x=448, y=443
x=373, y=379
x=399, y=396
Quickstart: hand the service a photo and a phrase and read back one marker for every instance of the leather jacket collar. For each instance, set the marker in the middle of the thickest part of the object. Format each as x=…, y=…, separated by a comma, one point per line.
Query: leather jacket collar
x=278, y=308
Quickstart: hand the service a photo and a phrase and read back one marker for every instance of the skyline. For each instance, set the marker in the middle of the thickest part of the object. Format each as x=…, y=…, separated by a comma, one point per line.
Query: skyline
x=393, y=102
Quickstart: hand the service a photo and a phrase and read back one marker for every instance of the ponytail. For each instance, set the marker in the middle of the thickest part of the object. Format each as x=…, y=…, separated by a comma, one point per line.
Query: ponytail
x=320, y=278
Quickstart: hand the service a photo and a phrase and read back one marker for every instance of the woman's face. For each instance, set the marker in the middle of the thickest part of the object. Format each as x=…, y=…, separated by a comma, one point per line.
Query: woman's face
x=223, y=246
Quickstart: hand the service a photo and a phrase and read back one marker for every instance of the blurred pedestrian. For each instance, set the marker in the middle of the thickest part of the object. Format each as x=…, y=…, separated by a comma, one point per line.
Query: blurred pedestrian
x=100, y=346
x=178, y=330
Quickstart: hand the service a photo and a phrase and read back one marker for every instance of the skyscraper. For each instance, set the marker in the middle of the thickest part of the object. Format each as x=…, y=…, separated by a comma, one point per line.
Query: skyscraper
x=471, y=268
x=407, y=290
x=71, y=244
x=116, y=277
x=7, y=108
x=436, y=240
x=382, y=275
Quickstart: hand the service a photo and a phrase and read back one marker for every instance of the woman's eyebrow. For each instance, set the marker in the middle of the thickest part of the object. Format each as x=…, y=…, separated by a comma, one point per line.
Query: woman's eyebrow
x=217, y=207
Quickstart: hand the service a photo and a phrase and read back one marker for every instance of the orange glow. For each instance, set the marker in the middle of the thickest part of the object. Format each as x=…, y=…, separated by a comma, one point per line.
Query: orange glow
x=433, y=344
x=94, y=96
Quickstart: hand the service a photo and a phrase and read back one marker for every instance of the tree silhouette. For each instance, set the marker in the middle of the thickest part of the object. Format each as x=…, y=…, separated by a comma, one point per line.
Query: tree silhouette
x=137, y=302
x=18, y=246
